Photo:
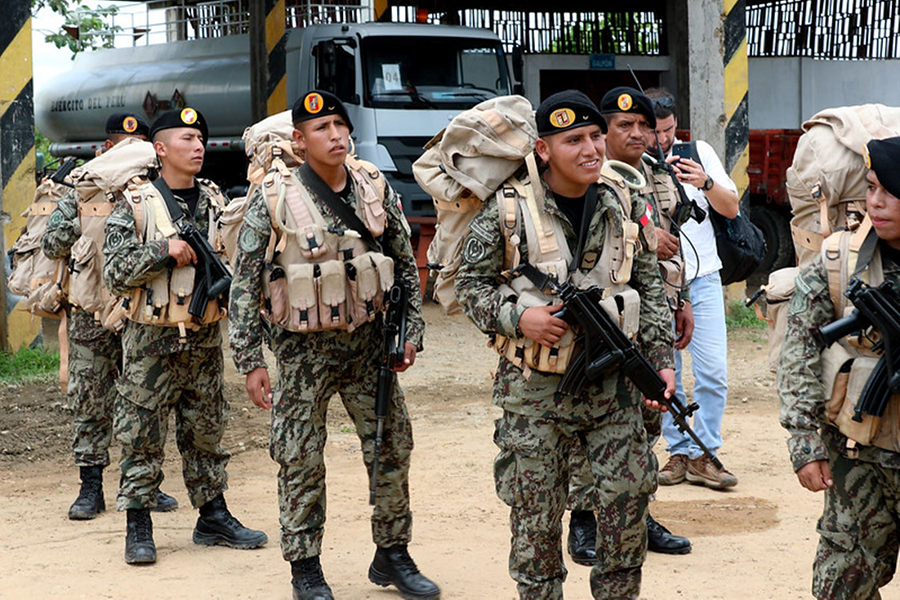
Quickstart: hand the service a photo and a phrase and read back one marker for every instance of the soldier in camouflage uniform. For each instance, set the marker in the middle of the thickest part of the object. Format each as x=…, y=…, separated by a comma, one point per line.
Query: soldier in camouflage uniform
x=95, y=353
x=858, y=530
x=168, y=367
x=315, y=363
x=631, y=118
x=540, y=427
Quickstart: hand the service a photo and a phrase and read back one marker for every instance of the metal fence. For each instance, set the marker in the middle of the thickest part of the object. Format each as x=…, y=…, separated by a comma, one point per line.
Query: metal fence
x=830, y=29
x=560, y=32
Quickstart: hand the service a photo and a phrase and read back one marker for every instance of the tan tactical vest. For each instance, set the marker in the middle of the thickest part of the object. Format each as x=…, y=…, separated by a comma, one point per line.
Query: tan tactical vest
x=848, y=363
x=665, y=197
x=548, y=251
x=318, y=277
x=164, y=300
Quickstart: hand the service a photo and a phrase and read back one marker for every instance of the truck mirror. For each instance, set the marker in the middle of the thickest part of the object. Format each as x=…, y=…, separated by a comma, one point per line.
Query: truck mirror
x=518, y=89
x=326, y=62
x=518, y=62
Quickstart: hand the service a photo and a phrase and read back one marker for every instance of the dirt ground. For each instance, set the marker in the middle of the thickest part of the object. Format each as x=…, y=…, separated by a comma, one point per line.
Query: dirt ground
x=755, y=541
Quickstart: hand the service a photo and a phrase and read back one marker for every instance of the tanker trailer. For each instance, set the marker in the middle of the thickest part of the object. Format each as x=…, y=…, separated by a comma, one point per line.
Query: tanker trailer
x=401, y=83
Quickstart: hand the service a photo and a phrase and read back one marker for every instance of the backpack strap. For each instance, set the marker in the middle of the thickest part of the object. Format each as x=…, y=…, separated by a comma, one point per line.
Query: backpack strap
x=840, y=254
x=534, y=199
x=510, y=226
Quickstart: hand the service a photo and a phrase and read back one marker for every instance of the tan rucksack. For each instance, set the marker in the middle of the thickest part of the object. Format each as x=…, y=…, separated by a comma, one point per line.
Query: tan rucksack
x=40, y=279
x=464, y=165
x=98, y=184
x=826, y=182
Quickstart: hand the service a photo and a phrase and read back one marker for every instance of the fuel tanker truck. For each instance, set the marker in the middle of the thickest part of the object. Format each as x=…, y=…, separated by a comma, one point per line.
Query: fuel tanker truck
x=401, y=83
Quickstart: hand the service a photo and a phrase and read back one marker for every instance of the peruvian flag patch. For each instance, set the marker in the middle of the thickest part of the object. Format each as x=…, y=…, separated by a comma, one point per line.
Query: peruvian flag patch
x=648, y=214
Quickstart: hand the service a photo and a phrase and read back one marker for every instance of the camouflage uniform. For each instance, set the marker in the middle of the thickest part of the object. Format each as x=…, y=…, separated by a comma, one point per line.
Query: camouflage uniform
x=95, y=353
x=581, y=496
x=540, y=429
x=858, y=530
x=161, y=373
x=310, y=368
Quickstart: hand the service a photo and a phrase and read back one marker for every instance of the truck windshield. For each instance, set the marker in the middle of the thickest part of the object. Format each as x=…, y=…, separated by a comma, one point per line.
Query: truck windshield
x=432, y=72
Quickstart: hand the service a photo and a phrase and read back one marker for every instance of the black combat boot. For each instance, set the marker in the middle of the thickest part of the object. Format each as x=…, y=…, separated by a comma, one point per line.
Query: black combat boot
x=395, y=566
x=139, y=546
x=307, y=580
x=583, y=537
x=660, y=539
x=89, y=502
x=216, y=525
x=164, y=502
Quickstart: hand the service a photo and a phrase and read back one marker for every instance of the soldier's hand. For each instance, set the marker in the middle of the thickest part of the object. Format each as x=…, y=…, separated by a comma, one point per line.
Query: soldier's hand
x=666, y=244
x=667, y=375
x=409, y=358
x=538, y=323
x=259, y=388
x=684, y=326
x=182, y=252
x=815, y=476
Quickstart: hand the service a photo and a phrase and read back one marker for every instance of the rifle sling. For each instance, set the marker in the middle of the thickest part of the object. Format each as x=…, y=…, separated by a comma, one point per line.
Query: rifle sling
x=587, y=215
x=338, y=206
x=175, y=212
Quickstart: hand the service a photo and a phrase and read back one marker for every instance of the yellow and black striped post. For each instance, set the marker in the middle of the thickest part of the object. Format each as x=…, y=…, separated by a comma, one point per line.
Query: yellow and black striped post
x=17, y=158
x=380, y=10
x=276, y=84
x=737, y=116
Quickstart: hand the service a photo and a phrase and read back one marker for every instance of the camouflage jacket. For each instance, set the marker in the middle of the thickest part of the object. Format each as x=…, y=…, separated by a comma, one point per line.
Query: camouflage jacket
x=799, y=376
x=246, y=330
x=63, y=228
x=477, y=291
x=684, y=294
x=130, y=264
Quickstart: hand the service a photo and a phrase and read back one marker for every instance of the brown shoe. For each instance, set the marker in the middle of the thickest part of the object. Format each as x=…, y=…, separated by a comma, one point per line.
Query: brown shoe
x=674, y=470
x=702, y=471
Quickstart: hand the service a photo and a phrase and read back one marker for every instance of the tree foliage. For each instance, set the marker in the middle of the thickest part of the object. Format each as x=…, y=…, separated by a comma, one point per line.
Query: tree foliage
x=85, y=28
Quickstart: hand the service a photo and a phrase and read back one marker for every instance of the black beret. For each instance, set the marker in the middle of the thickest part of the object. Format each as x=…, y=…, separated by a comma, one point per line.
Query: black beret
x=628, y=100
x=315, y=104
x=185, y=117
x=883, y=157
x=567, y=110
x=128, y=124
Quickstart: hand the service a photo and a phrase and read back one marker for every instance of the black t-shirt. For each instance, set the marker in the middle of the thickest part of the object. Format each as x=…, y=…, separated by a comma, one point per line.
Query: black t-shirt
x=190, y=196
x=573, y=208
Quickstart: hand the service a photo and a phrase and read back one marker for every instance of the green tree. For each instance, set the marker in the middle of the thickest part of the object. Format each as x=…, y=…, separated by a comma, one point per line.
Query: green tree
x=85, y=28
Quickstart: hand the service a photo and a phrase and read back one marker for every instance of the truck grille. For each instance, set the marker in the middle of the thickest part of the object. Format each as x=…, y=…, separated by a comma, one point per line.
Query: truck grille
x=404, y=151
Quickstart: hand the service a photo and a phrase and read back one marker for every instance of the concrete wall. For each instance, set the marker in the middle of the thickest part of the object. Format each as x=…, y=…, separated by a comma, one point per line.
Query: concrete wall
x=784, y=92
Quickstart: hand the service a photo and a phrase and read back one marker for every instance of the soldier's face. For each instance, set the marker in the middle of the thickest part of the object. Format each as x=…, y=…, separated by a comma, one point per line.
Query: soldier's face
x=181, y=149
x=884, y=210
x=325, y=140
x=626, y=139
x=574, y=156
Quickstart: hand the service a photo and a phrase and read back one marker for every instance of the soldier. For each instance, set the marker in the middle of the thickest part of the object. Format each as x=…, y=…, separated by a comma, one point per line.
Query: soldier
x=592, y=226
x=95, y=353
x=172, y=360
x=326, y=333
x=858, y=531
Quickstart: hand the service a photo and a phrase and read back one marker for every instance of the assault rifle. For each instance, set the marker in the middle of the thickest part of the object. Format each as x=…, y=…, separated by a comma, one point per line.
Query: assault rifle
x=212, y=279
x=685, y=208
x=63, y=170
x=393, y=350
x=605, y=349
x=879, y=308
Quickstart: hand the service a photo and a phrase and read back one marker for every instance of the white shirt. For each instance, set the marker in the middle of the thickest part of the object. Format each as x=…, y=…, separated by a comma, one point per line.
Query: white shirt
x=702, y=235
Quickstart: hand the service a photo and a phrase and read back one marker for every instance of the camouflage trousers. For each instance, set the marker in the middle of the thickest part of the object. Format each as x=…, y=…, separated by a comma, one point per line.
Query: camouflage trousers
x=859, y=535
x=531, y=473
x=581, y=482
x=307, y=379
x=190, y=383
x=95, y=354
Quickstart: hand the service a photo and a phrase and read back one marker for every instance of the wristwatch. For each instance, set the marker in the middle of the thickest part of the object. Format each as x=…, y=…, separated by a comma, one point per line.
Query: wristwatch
x=708, y=184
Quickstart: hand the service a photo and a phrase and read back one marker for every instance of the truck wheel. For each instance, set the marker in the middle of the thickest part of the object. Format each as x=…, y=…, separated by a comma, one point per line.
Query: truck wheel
x=776, y=227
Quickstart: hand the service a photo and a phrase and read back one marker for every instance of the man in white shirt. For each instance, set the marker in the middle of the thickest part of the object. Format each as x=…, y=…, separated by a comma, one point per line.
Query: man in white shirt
x=706, y=182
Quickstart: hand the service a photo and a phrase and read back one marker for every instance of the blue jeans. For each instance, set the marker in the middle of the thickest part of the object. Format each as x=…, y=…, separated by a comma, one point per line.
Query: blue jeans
x=709, y=353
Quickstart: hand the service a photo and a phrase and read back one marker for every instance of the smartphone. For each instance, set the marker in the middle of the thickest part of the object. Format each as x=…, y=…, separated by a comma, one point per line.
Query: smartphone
x=683, y=150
